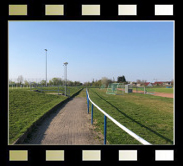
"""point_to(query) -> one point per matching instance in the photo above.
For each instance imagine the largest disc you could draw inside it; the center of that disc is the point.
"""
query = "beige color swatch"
(54, 155)
(90, 9)
(91, 155)
(127, 155)
(127, 9)
(18, 155)
(17, 10)
(54, 9)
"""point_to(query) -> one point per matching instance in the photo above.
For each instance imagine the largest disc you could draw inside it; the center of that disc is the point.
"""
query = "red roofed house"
(158, 83)
(147, 84)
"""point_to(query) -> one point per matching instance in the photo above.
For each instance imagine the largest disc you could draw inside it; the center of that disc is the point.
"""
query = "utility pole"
(65, 64)
(46, 66)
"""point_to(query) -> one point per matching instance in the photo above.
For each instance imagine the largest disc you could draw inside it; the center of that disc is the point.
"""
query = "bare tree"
(172, 82)
(106, 81)
(141, 81)
(10, 81)
(56, 81)
(26, 82)
(138, 81)
(20, 79)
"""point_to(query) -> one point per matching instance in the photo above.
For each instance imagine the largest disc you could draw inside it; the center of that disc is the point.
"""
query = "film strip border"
(90, 10)
(89, 155)
(97, 10)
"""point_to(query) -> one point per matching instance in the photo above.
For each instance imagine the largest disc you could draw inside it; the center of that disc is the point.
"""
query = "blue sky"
(137, 50)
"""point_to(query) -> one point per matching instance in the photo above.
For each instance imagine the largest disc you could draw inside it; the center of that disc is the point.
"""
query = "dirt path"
(70, 125)
(169, 95)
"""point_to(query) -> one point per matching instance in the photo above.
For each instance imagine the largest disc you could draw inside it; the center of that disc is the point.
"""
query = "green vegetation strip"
(163, 90)
(154, 89)
(150, 117)
(26, 107)
(57, 89)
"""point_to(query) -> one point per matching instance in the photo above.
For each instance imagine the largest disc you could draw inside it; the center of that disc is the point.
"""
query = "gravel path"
(70, 125)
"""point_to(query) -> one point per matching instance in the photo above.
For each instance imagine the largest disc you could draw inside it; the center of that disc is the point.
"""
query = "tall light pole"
(46, 66)
(65, 64)
(63, 80)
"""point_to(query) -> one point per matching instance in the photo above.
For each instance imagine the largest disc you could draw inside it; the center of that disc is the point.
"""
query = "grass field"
(163, 90)
(56, 89)
(150, 117)
(25, 107)
(155, 89)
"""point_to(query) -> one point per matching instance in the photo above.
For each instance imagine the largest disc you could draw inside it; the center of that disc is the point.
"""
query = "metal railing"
(138, 138)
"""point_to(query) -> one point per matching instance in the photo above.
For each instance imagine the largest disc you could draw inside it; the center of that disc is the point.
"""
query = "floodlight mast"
(65, 64)
(46, 65)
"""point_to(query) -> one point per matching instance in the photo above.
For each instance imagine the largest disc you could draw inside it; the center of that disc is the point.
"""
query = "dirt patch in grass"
(169, 95)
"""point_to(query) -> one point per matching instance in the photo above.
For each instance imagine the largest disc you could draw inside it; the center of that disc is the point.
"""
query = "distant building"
(167, 83)
(160, 83)
(148, 84)
(139, 84)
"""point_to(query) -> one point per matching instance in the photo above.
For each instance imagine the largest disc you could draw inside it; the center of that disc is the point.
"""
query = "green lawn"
(155, 89)
(25, 107)
(150, 117)
(55, 89)
(163, 90)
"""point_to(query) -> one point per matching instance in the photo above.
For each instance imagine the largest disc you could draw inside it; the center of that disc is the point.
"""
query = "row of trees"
(95, 83)
(106, 81)
(53, 81)
(58, 81)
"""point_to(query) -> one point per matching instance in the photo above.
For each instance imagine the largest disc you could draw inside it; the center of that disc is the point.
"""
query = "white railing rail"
(138, 138)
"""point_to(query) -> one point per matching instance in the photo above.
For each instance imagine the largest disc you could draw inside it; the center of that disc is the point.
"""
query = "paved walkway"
(70, 125)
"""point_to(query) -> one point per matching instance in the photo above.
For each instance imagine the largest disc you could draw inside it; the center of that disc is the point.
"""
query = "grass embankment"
(26, 107)
(58, 89)
(150, 117)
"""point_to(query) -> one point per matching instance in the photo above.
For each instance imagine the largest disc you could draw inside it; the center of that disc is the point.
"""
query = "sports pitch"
(150, 117)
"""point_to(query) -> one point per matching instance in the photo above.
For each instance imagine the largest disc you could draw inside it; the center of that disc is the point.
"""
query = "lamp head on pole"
(45, 49)
(65, 63)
